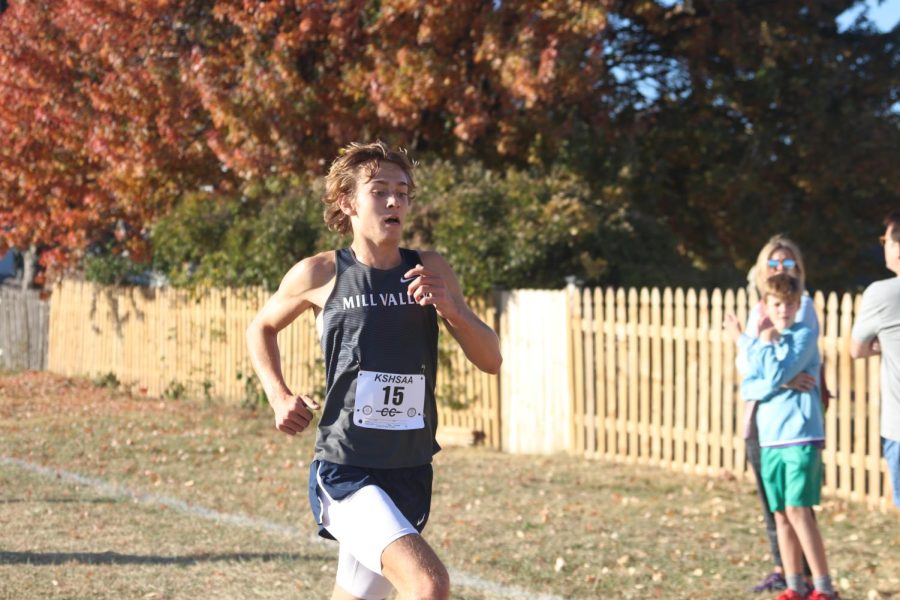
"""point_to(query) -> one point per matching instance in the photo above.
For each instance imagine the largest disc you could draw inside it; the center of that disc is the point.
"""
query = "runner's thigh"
(365, 523)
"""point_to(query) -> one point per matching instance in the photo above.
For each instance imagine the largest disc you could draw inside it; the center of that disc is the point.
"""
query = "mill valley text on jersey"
(364, 300)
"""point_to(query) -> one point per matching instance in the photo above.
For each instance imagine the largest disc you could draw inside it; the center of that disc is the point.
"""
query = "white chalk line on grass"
(115, 490)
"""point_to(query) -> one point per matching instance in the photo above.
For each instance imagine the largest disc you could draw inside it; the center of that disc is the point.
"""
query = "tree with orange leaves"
(697, 114)
(116, 108)
(102, 135)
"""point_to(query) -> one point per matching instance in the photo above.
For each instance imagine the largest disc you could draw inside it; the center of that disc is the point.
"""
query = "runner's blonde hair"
(358, 163)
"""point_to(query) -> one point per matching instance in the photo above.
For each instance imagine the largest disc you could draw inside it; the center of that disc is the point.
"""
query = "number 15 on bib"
(389, 401)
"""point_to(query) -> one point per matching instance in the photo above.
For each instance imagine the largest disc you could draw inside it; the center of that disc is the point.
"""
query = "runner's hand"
(428, 289)
(293, 414)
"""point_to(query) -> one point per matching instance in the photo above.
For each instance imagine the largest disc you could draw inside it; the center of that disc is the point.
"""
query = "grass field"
(106, 495)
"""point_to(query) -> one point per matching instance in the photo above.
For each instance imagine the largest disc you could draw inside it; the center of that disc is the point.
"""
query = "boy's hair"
(761, 269)
(893, 220)
(356, 163)
(784, 287)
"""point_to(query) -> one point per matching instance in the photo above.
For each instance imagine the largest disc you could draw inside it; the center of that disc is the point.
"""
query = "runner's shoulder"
(311, 273)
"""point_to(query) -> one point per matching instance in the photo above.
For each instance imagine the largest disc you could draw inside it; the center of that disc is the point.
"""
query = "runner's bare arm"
(436, 284)
(306, 285)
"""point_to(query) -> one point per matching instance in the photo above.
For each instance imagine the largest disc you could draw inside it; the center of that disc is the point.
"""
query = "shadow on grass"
(114, 558)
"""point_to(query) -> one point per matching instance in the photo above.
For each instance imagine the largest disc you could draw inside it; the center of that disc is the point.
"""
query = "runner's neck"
(376, 256)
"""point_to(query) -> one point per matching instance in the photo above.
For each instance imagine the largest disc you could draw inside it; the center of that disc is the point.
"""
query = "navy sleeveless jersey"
(370, 323)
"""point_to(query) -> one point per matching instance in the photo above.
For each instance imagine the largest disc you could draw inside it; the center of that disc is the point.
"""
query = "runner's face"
(380, 206)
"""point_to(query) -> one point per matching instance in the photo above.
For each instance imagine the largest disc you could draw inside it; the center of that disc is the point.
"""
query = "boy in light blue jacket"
(791, 434)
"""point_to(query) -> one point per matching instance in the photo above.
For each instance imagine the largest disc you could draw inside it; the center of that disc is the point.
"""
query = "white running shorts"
(364, 523)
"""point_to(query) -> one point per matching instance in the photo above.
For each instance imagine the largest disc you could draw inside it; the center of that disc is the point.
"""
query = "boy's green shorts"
(792, 476)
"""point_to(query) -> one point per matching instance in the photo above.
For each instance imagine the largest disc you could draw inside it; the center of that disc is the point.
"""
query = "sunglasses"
(787, 263)
(882, 239)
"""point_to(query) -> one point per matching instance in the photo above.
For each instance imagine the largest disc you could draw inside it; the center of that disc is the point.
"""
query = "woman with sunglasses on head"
(779, 255)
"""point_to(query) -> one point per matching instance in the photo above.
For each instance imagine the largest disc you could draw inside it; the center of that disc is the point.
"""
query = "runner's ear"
(347, 204)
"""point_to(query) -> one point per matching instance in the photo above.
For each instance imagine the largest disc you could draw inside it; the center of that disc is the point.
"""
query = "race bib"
(389, 401)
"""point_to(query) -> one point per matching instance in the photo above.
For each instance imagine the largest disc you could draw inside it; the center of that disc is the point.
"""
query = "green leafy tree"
(519, 229)
(251, 239)
(766, 119)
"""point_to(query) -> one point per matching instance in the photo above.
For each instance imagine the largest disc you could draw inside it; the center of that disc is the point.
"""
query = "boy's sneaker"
(791, 595)
(817, 595)
(774, 582)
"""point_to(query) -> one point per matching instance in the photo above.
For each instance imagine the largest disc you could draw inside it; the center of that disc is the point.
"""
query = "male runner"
(376, 306)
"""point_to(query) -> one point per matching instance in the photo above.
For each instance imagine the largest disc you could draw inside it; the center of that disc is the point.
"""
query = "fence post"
(600, 335)
(680, 377)
(703, 384)
(633, 419)
(715, 438)
(843, 456)
(690, 336)
(656, 377)
(832, 362)
(590, 400)
(645, 380)
(668, 396)
(730, 418)
(575, 362)
(610, 409)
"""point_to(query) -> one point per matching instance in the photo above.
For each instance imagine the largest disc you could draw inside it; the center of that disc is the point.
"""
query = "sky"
(884, 14)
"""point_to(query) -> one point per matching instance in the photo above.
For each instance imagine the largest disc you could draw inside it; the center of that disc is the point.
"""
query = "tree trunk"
(29, 266)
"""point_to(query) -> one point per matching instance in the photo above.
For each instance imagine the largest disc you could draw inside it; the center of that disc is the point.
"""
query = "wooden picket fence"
(174, 343)
(641, 376)
(24, 318)
(654, 382)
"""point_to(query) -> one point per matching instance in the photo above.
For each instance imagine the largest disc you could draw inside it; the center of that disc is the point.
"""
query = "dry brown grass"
(555, 525)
